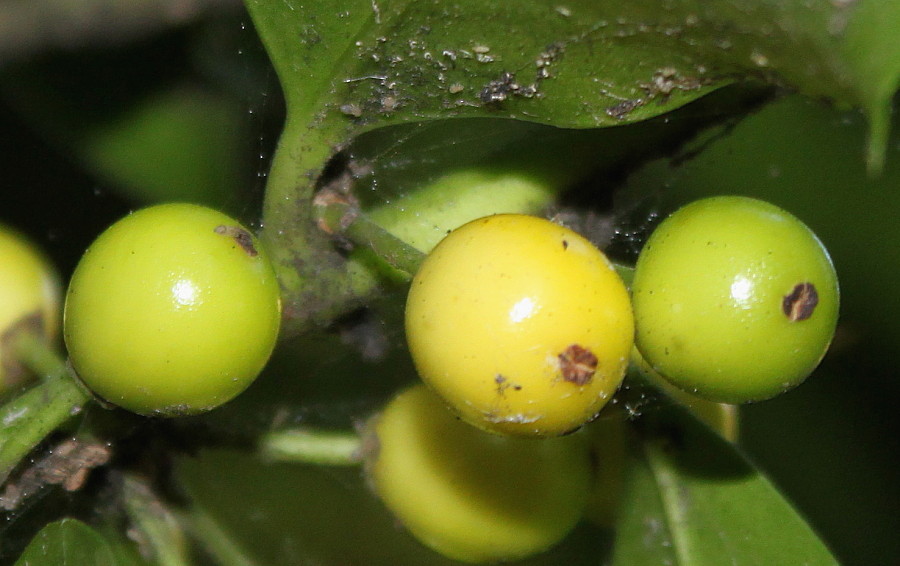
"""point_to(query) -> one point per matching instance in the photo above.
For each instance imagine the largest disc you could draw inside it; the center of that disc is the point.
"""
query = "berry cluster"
(525, 329)
(522, 327)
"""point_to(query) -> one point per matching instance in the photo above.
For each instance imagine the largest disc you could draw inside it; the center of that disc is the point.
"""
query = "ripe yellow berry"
(522, 325)
(470, 495)
(29, 288)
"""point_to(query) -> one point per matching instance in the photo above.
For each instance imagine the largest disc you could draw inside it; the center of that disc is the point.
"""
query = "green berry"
(735, 299)
(522, 325)
(173, 310)
(470, 495)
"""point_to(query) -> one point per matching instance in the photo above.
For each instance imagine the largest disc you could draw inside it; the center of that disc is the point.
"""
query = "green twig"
(309, 446)
(29, 418)
(214, 539)
(33, 352)
(338, 217)
(159, 529)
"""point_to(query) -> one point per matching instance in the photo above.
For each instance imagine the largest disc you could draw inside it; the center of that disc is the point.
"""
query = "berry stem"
(27, 419)
(341, 218)
(213, 538)
(37, 355)
(160, 528)
(309, 446)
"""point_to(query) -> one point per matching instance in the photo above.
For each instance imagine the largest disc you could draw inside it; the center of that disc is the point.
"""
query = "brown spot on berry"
(565, 244)
(239, 235)
(578, 364)
(800, 303)
(503, 384)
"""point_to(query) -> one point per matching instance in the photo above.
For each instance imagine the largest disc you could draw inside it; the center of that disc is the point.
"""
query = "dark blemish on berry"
(503, 384)
(565, 244)
(800, 303)
(578, 364)
(239, 235)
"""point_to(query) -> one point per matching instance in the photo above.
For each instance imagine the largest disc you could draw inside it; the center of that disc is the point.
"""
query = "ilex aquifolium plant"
(471, 495)
(735, 299)
(173, 310)
(521, 325)
(29, 299)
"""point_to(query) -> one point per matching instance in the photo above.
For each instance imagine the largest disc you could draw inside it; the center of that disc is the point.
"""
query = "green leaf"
(181, 144)
(574, 63)
(349, 66)
(155, 141)
(693, 500)
(873, 56)
(70, 542)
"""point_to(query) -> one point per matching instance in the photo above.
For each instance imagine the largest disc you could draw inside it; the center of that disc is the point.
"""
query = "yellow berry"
(470, 495)
(521, 325)
(29, 288)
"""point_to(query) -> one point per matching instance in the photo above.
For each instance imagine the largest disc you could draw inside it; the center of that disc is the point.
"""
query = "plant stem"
(309, 446)
(214, 539)
(160, 528)
(29, 418)
(339, 217)
(37, 355)
(344, 219)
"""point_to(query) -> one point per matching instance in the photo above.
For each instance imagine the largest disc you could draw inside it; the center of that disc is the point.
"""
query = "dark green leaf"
(580, 63)
(72, 543)
(181, 144)
(693, 500)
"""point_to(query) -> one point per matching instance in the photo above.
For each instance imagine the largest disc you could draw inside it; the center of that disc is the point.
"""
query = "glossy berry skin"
(471, 495)
(173, 310)
(29, 298)
(723, 418)
(735, 299)
(520, 324)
